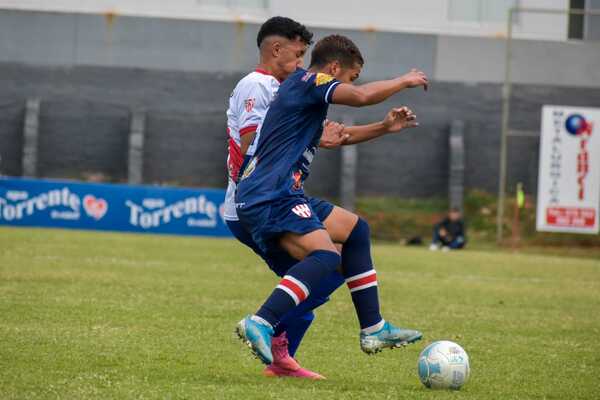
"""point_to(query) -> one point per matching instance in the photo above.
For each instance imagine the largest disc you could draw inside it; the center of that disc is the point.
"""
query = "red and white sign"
(569, 172)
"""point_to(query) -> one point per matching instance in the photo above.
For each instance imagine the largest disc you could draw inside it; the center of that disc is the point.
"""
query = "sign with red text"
(569, 172)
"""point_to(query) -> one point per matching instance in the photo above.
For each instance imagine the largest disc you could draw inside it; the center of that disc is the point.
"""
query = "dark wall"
(78, 137)
(185, 149)
(12, 115)
(85, 116)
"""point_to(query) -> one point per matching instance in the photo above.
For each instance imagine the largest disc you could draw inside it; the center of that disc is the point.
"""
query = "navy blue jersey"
(289, 138)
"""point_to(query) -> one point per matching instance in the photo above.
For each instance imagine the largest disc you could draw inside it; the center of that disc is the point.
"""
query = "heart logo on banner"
(95, 208)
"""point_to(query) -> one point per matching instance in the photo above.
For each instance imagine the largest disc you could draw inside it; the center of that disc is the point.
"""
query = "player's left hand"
(400, 118)
(333, 135)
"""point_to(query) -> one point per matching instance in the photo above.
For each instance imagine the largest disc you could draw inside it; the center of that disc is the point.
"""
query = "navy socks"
(296, 285)
(361, 277)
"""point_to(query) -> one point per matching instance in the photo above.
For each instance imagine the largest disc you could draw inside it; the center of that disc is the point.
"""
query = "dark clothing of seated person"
(449, 233)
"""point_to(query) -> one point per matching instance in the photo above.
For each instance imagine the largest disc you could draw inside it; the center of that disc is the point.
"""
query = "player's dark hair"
(335, 48)
(285, 27)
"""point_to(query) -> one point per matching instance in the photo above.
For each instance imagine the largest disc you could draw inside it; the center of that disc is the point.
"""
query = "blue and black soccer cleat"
(388, 337)
(257, 337)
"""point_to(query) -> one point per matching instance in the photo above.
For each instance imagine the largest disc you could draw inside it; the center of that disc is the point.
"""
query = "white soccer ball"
(443, 365)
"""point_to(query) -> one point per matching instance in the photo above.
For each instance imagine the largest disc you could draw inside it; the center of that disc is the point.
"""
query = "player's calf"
(361, 279)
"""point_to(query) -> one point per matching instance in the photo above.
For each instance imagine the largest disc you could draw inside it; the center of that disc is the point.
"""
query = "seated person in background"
(449, 233)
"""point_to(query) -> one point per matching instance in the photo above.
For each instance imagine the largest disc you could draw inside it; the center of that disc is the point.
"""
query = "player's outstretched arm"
(396, 120)
(376, 92)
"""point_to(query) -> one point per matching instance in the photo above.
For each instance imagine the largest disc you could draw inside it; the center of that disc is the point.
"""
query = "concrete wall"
(85, 114)
(90, 73)
(186, 45)
(532, 62)
(12, 114)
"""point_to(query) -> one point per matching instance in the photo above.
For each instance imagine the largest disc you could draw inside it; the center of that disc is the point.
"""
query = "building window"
(480, 10)
(576, 21)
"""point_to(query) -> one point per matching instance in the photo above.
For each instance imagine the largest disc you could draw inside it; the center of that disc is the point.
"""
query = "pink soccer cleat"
(281, 357)
(283, 364)
(277, 372)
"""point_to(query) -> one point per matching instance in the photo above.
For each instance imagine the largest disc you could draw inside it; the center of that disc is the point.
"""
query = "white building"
(485, 18)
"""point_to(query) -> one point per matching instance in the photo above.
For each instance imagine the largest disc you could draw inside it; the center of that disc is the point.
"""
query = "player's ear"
(335, 68)
(276, 49)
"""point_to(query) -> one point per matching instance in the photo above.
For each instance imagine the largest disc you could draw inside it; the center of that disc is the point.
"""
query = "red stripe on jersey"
(362, 281)
(294, 288)
(235, 160)
(248, 129)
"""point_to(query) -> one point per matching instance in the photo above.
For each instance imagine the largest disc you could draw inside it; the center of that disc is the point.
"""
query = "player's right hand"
(333, 135)
(400, 118)
(415, 78)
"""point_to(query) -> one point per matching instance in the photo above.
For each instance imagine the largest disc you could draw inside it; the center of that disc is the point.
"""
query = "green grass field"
(102, 315)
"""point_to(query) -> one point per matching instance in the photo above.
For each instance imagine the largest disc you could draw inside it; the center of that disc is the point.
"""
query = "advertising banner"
(569, 171)
(113, 207)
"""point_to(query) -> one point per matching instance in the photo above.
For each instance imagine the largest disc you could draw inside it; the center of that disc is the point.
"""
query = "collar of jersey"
(262, 71)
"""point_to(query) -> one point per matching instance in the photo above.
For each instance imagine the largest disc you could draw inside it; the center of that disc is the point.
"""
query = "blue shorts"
(297, 214)
(278, 259)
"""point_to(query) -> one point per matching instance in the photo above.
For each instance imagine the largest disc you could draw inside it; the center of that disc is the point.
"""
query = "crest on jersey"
(249, 104)
(302, 210)
(322, 79)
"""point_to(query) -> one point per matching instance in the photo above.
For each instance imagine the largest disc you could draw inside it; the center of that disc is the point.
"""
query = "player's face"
(348, 74)
(290, 57)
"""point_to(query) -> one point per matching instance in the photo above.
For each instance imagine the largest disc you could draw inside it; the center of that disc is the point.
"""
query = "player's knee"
(361, 231)
(327, 258)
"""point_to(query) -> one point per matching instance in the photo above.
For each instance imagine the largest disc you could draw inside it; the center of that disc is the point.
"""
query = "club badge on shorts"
(302, 210)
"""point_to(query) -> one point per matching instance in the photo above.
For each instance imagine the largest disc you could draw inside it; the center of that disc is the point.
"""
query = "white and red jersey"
(248, 105)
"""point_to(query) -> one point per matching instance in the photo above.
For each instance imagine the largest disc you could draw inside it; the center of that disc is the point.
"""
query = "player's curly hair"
(285, 27)
(335, 48)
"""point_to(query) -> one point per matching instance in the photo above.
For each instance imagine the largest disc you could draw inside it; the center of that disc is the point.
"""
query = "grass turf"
(103, 315)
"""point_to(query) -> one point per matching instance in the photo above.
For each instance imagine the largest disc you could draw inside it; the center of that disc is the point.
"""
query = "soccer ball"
(443, 365)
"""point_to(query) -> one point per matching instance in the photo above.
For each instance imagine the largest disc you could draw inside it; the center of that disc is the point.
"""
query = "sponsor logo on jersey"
(297, 180)
(302, 210)
(249, 168)
(306, 76)
(322, 79)
(249, 104)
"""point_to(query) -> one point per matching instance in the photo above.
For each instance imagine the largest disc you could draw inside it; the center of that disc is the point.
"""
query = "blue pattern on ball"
(435, 368)
(423, 369)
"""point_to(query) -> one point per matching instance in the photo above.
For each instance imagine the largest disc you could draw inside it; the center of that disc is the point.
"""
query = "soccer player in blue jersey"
(271, 204)
(282, 43)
